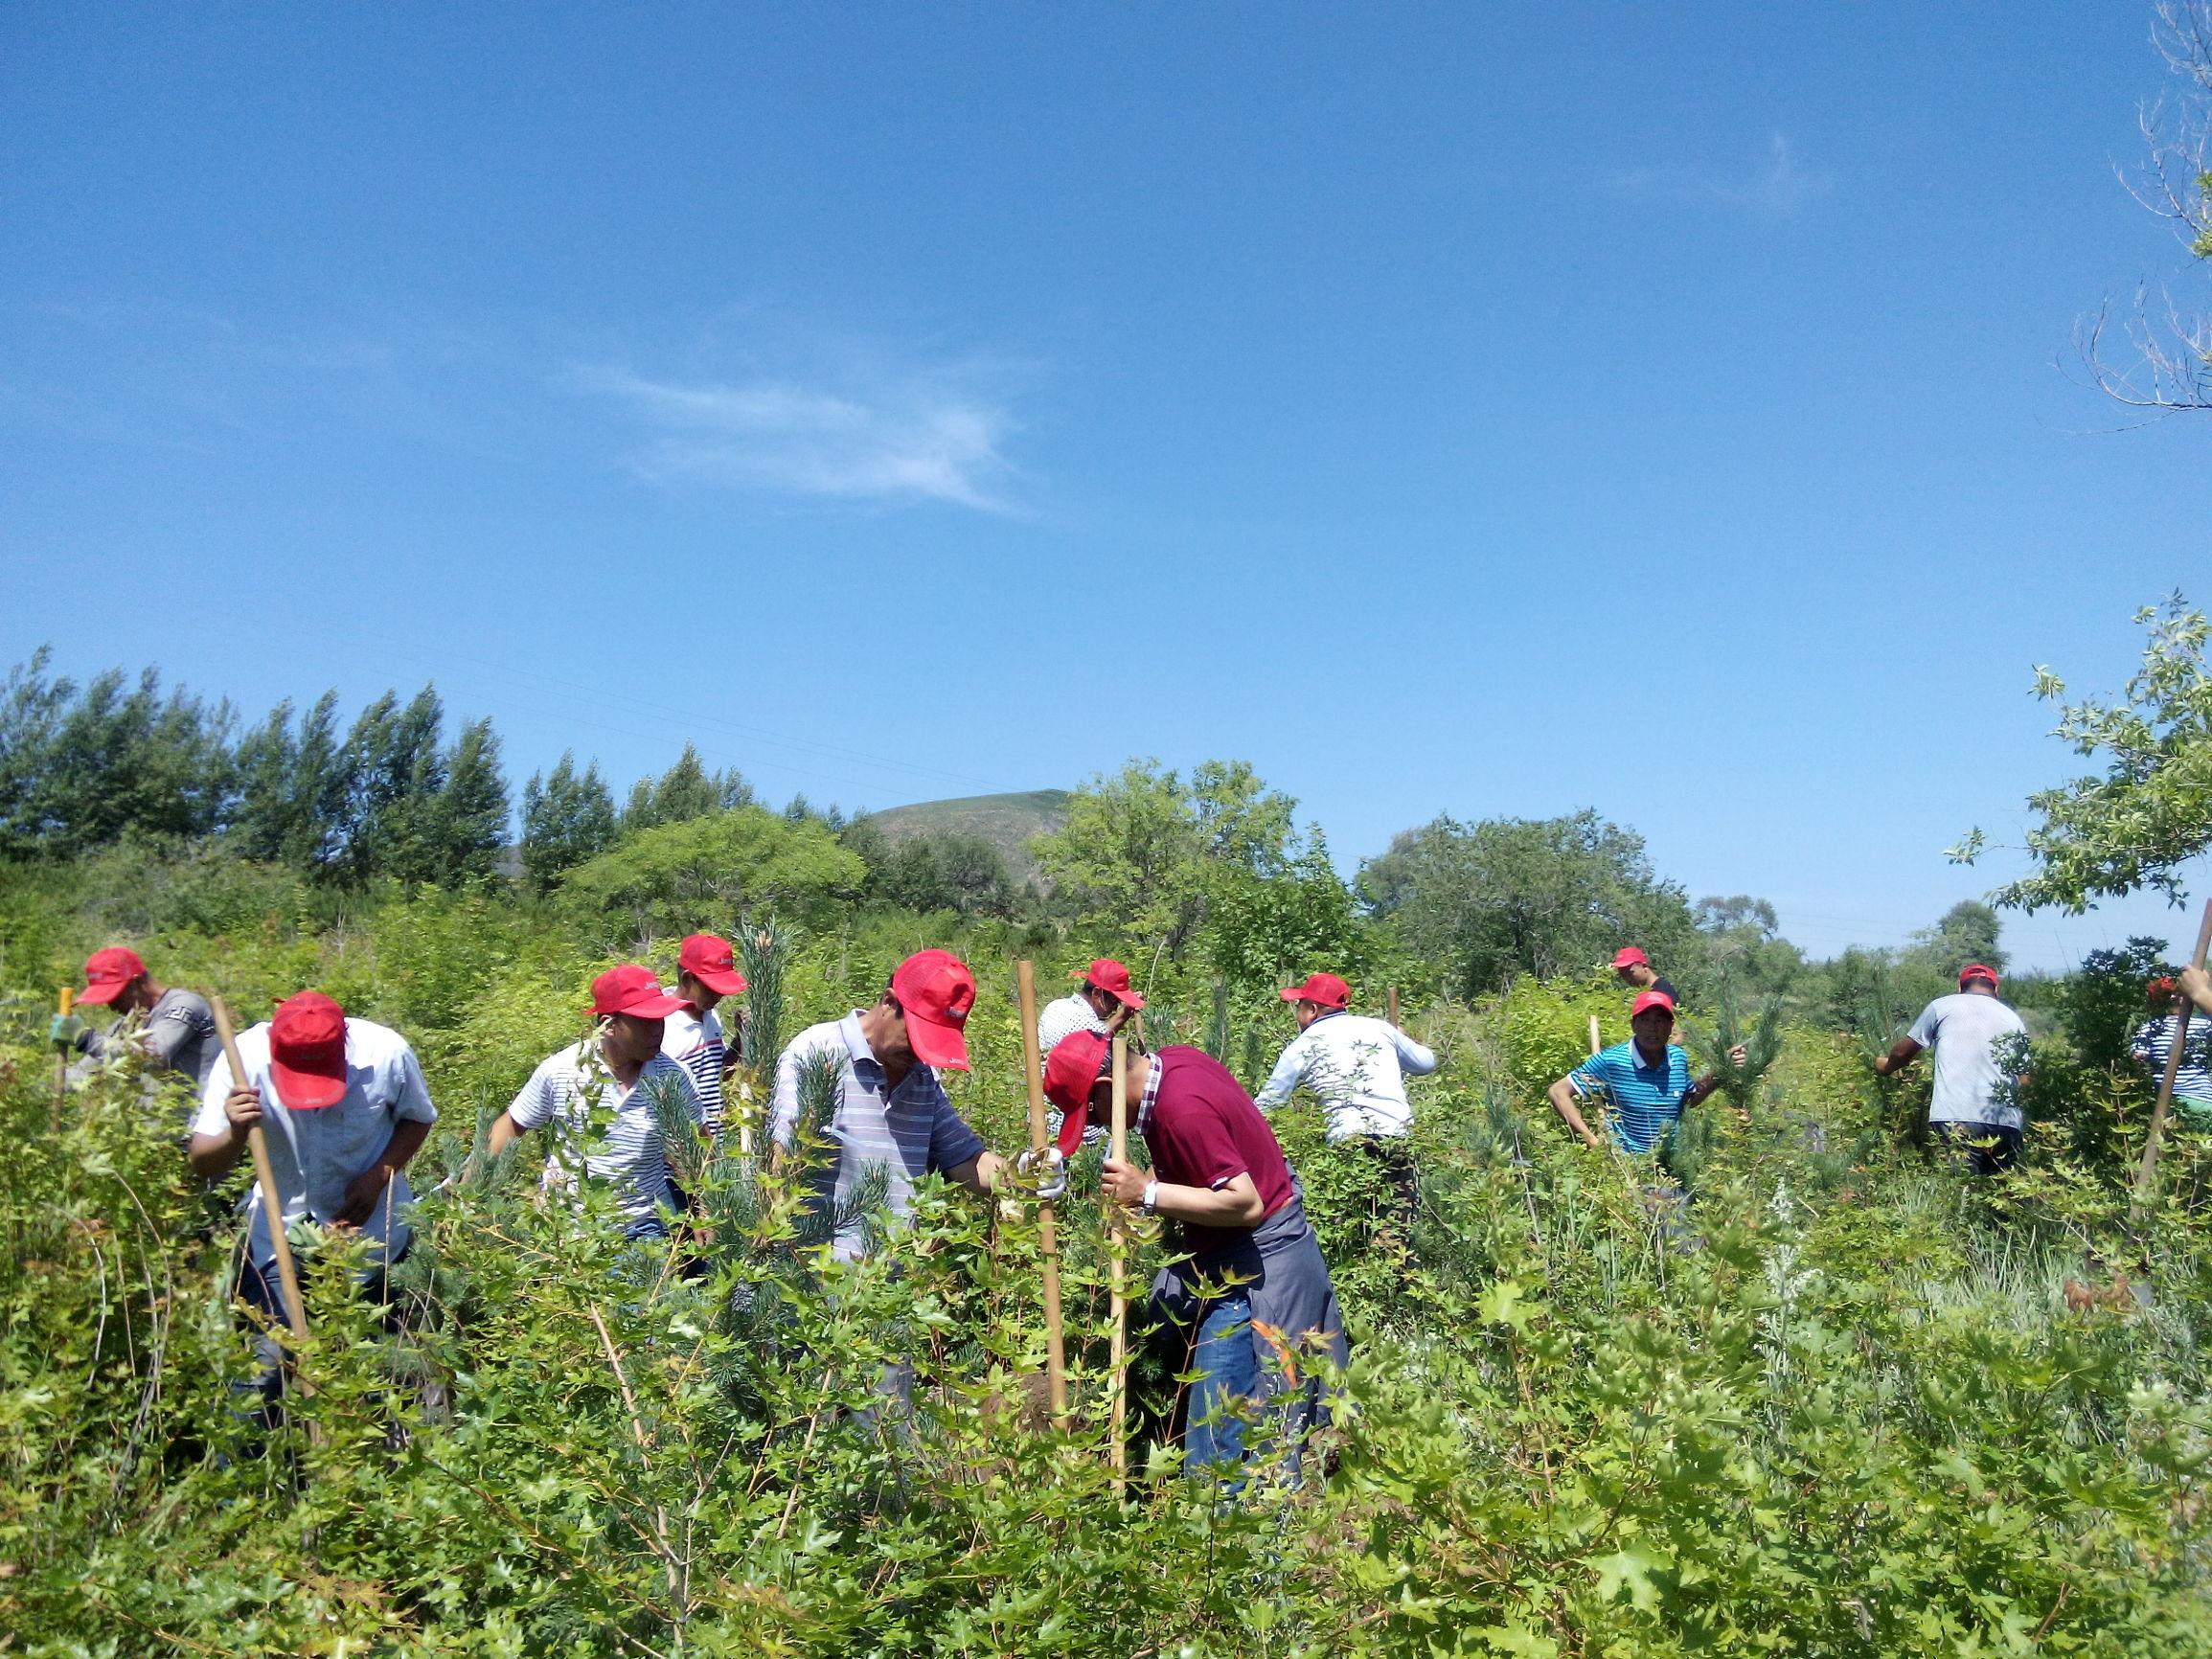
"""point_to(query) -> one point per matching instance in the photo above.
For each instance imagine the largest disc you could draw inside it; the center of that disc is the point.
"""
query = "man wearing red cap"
(1255, 1284)
(1970, 1030)
(692, 1036)
(619, 1069)
(1635, 969)
(1646, 1082)
(178, 1028)
(1357, 1067)
(893, 1113)
(1101, 1004)
(343, 1108)
(2152, 1046)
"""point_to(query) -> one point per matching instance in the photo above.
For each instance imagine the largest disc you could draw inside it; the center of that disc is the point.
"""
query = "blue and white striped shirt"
(2153, 1046)
(693, 1041)
(568, 1086)
(1647, 1101)
(909, 1132)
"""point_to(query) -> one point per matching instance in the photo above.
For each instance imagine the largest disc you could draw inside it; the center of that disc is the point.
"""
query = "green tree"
(293, 788)
(567, 818)
(1143, 850)
(1491, 901)
(1968, 932)
(2151, 809)
(470, 827)
(685, 791)
(81, 767)
(937, 870)
(672, 877)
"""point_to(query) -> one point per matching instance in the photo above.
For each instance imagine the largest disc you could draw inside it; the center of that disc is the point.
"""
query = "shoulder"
(662, 1069)
(561, 1066)
(368, 1041)
(828, 1037)
(184, 1005)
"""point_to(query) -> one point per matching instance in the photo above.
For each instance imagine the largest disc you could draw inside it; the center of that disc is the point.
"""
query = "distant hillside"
(1006, 821)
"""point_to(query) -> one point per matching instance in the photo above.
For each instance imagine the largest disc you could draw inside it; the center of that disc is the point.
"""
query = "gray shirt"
(1964, 1030)
(179, 1034)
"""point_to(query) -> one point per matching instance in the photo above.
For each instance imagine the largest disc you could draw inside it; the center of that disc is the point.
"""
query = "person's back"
(1965, 1029)
(1356, 1066)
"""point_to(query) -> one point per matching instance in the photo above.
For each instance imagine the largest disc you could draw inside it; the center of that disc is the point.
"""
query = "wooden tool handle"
(2165, 1103)
(1597, 1044)
(1393, 1002)
(1032, 1069)
(265, 1176)
(1055, 1341)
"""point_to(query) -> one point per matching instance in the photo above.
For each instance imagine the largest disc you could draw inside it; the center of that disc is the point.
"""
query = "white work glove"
(1042, 1173)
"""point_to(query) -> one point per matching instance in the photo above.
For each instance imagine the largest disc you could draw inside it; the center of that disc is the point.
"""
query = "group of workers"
(346, 1108)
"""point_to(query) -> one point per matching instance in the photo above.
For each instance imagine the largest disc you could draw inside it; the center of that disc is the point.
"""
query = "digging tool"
(2150, 1165)
(1597, 1043)
(1393, 1006)
(1120, 1350)
(1056, 1345)
(265, 1176)
(61, 1055)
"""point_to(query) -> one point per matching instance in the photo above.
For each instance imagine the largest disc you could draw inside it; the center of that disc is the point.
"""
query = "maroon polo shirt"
(1204, 1131)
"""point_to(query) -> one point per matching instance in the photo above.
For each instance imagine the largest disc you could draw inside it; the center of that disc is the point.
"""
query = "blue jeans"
(1229, 1375)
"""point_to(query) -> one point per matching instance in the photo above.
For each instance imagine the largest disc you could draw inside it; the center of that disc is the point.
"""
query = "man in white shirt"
(692, 1036)
(343, 1108)
(620, 1070)
(1357, 1067)
(1101, 1004)
(1970, 1031)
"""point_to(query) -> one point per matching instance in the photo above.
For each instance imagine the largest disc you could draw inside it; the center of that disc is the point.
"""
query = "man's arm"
(212, 1151)
(2196, 986)
(1902, 1054)
(364, 1190)
(981, 1173)
(1235, 1203)
(1561, 1095)
(1415, 1059)
(1290, 1070)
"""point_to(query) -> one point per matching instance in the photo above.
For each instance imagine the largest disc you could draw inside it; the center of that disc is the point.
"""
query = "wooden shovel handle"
(265, 1176)
(1055, 1339)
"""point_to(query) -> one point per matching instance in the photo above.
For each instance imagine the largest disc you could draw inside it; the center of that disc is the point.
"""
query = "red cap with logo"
(2161, 989)
(1078, 1060)
(1111, 977)
(935, 992)
(1629, 956)
(110, 971)
(308, 1052)
(107, 971)
(1977, 970)
(1650, 999)
(709, 960)
(633, 991)
(1325, 989)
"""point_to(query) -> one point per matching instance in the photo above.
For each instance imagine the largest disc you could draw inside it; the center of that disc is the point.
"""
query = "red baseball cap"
(1976, 971)
(107, 971)
(1077, 1060)
(1629, 956)
(308, 1052)
(1325, 989)
(1111, 976)
(2161, 989)
(632, 989)
(1652, 999)
(935, 992)
(709, 959)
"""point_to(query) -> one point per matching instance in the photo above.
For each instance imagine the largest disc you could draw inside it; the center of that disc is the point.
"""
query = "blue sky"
(1469, 409)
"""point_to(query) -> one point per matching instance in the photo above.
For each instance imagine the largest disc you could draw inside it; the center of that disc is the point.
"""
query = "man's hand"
(1041, 1174)
(1738, 1054)
(2196, 986)
(1124, 1183)
(242, 1107)
(362, 1194)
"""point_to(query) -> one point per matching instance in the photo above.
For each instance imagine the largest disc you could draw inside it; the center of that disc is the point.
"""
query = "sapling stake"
(1595, 1044)
(1394, 1005)
(2165, 1103)
(265, 1176)
(1120, 1351)
(1055, 1343)
(61, 1058)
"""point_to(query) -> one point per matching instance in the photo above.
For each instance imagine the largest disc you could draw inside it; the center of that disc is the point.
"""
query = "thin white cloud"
(1778, 184)
(927, 439)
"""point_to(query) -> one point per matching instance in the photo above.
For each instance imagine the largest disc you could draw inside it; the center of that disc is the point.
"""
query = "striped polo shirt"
(2153, 1046)
(1646, 1100)
(693, 1041)
(908, 1133)
(569, 1088)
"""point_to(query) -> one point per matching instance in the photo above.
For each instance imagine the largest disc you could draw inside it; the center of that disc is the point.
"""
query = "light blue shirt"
(1647, 1099)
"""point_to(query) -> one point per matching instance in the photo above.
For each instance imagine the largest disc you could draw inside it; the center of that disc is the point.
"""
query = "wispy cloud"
(1779, 183)
(924, 437)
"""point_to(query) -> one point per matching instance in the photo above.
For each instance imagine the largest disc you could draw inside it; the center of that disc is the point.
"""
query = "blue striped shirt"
(693, 1041)
(1646, 1100)
(908, 1133)
(2153, 1046)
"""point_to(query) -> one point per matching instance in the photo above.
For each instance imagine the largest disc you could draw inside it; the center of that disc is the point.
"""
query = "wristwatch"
(1151, 1205)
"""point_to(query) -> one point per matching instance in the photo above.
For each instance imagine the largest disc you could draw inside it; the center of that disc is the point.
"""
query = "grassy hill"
(1008, 822)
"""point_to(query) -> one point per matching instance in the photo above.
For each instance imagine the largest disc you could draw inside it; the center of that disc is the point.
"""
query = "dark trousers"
(1397, 1199)
(1981, 1149)
(261, 1290)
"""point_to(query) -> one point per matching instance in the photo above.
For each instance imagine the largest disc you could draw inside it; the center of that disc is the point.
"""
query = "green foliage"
(1509, 896)
(660, 880)
(567, 819)
(1715, 1045)
(1967, 933)
(687, 790)
(941, 870)
(2150, 811)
